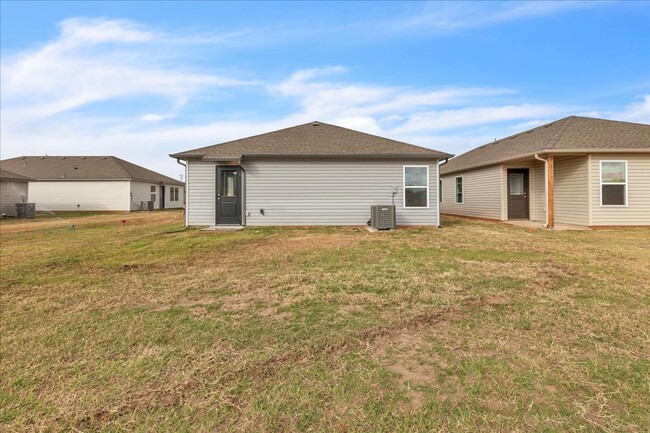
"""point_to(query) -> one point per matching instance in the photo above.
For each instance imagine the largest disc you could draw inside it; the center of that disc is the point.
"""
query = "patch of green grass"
(137, 322)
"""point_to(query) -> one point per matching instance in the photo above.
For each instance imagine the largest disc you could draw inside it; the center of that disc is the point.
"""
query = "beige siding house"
(94, 183)
(13, 189)
(310, 175)
(575, 171)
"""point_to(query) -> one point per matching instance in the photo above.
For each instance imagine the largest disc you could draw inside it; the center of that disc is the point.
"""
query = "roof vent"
(104, 157)
(315, 124)
(83, 157)
(63, 157)
(42, 157)
(76, 168)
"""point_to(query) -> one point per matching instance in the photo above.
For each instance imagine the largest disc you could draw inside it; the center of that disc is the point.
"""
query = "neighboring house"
(94, 183)
(13, 189)
(310, 175)
(575, 171)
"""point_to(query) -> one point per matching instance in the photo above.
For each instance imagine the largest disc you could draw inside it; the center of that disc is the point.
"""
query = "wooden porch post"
(550, 179)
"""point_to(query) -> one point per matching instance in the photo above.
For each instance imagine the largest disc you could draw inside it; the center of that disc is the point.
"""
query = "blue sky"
(141, 80)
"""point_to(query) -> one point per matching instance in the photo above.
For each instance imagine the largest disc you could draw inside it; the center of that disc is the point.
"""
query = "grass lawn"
(144, 325)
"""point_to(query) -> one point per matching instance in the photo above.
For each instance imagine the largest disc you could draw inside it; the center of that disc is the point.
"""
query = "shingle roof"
(82, 168)
(7, 175)
(315, 139)
(569, 134)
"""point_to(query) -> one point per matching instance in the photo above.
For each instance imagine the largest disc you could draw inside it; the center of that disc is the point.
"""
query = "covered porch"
(546, 191)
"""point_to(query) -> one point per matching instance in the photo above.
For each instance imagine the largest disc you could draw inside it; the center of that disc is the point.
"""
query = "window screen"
(613, 183)
(416, 186)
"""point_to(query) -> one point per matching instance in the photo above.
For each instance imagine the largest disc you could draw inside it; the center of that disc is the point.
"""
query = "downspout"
(440, 164)
(185, 194)
(243, 194)
(537, 157)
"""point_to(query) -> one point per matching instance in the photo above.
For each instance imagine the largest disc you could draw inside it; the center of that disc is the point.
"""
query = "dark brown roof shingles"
(83, 168)
(571, 133)
(7, 175)
(313, 139)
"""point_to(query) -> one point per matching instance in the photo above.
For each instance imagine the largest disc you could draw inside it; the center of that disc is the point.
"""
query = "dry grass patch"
(144, 325)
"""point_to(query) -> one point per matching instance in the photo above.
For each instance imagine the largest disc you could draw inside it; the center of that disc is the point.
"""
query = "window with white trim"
(459, 189)
(416, 186)
(152, 196)
(440, 190)
(613, 183)
(173, 193)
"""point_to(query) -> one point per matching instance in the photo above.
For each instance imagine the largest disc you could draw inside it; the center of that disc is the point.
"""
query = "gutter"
(546, 152)
(237, 160)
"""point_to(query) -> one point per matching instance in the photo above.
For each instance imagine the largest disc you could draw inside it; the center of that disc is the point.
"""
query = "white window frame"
(404, 187)
(440, 190)
(462, 189)
(153, 193)
(173, 193)
(601, 183)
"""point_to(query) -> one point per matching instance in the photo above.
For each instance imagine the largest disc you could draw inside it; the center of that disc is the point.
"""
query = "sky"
(141, 80)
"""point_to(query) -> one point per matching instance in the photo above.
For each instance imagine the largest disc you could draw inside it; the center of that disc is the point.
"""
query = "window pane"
(516, 183)
(440, 191)
(415, 176)
(459, 190)
(415, 197)
(613, 172)
(153, 188)
(228, 183)
(613, 195)
(152, 197)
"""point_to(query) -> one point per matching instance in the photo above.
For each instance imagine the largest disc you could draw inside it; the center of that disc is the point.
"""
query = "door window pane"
(228, 185)
(415, 197)
(516, 183)
(415, 176)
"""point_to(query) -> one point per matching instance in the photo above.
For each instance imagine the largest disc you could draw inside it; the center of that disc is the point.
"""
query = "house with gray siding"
(13, 189)
(94, 183)
(574, 171)
(314, 174)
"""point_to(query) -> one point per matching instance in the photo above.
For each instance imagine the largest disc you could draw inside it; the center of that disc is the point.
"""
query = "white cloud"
(440, 18)
(72, 71)
(50, 97)
(76, 31)
(638, 111)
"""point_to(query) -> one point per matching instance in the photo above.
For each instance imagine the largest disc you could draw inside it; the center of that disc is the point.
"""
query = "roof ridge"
(118, 161)
(555, 139)
(245, 138)
(379, 136)
(314, 123)
(125, 165)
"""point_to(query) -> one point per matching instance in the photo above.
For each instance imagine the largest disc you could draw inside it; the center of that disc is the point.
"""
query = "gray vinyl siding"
(11, 193)
(329, 192)
(637, 211)
(571, 198)
(481, 193)
(200, 185)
